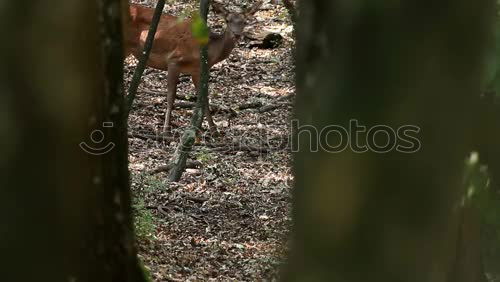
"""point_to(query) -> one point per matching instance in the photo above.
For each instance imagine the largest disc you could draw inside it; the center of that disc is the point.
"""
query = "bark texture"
(65, 212)
(178, 161)
(384, 216)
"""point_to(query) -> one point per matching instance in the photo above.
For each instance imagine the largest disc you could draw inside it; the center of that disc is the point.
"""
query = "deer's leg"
(172, 80)
(211, 123)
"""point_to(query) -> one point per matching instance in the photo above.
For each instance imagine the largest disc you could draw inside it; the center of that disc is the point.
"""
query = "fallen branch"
(271, 107)
(185, 105)
(218, 147)
(250, 105)
(151, 137)
(242, 148)
(188, 104)
(213, 108)
(168, 167)
(235, 146)
(200, 200)
(257, 106)
(177, 96)
(286, 97)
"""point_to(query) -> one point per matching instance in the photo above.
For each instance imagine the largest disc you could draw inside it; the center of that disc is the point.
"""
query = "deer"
(176, 51)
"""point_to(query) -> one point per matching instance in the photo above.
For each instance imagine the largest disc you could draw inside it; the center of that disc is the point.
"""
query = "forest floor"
(229, 217)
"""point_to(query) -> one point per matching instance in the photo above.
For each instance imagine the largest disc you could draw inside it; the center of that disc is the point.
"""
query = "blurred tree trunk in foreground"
(387, 216)
(65, 212)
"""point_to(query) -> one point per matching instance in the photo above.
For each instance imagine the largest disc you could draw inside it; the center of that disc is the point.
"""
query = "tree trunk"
(141, 66)
(468, 265)
(181, 154)
(392, 213)
(66, 208)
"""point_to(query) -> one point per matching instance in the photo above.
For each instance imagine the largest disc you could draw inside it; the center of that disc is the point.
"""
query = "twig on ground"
(168, 167)
(151, 137)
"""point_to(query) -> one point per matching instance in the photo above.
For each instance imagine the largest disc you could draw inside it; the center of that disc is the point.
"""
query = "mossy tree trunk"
(66, 212)
(181, 154)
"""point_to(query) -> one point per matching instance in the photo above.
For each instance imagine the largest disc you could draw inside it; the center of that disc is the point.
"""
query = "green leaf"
(200, 30)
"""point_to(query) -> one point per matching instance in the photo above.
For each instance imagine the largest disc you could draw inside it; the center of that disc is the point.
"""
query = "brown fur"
(175, 49)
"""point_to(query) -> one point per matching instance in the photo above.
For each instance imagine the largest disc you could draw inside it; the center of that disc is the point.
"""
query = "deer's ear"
(219, 8)
(255, 7)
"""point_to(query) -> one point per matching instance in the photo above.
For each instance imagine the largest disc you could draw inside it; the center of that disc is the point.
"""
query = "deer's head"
(236, 22)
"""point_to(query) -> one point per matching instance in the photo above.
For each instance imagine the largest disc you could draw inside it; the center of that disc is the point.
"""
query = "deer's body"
(176, 50)
(181, 49)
